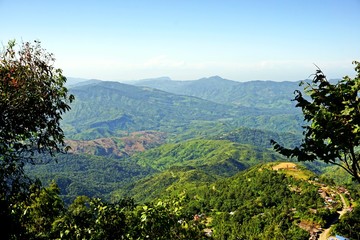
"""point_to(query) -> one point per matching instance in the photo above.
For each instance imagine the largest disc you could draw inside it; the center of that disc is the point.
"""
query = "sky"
(190, 39)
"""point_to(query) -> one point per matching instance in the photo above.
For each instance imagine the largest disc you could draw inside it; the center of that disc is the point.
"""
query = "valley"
(202, 144)
(179, 120)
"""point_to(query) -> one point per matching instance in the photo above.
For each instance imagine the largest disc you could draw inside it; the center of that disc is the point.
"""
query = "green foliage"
(88, 175)
(191, 163)
(32, 99)
(277, 122)
(209, 154)
(165, 219)
(259, 138)
(349, 224)
(336, 175)
(171, 182)
(258, 204)
(333, 115)
(38, 212)
(91, 218)
(43, 216)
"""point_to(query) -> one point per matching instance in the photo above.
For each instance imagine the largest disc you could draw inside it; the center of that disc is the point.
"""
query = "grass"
(291, 169)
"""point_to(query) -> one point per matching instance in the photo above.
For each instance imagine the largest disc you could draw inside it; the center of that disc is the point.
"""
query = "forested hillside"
(191, 163)
(96, 176)
(200, 139)
(260, 204)
(202, 153)
(88, 175)
(260, 138)
(179, 120)
(203, 149)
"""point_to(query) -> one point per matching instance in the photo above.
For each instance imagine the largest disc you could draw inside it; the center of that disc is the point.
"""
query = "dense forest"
(263, 202)
(195, 165)
(164, 159)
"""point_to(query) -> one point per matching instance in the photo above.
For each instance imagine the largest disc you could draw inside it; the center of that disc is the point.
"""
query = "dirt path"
(326, 233)
(345, 207)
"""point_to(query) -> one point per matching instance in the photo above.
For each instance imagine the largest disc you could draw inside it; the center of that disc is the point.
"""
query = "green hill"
(260, 138)
(168, 182)
(88, 175)
(202, 153)
(260, 203)
(192, 163)
(255, 94)
(266, 201)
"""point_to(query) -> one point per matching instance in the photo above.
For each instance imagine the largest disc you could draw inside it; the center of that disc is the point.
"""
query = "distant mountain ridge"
(257, 94)
(254, 94)
(103, 109)
(108, 109)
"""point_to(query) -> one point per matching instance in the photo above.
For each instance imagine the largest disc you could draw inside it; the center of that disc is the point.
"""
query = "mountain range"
(104, 109)
(254, 94)
(212, 127)
(203, 143)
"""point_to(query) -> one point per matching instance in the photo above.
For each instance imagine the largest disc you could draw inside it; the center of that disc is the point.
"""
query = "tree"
(332, 114)
(349, 224)
(38, 212)
(32, 99)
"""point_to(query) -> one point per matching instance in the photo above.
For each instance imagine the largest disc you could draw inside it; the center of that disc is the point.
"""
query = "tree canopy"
(332, 114)
(33, 97)
(32, 100)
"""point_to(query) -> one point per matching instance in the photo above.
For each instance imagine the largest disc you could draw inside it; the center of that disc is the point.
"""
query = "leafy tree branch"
(332, 114)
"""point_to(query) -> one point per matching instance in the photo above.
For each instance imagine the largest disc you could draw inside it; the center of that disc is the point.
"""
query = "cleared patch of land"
(292, 169)
(285, 166)
(118, 146)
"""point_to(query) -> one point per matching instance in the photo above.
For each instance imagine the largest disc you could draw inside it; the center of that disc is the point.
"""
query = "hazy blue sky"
(190, 39)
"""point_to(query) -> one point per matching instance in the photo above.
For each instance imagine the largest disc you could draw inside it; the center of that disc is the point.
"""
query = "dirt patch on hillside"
(285, 165)
(118, 146)
(310, 227)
